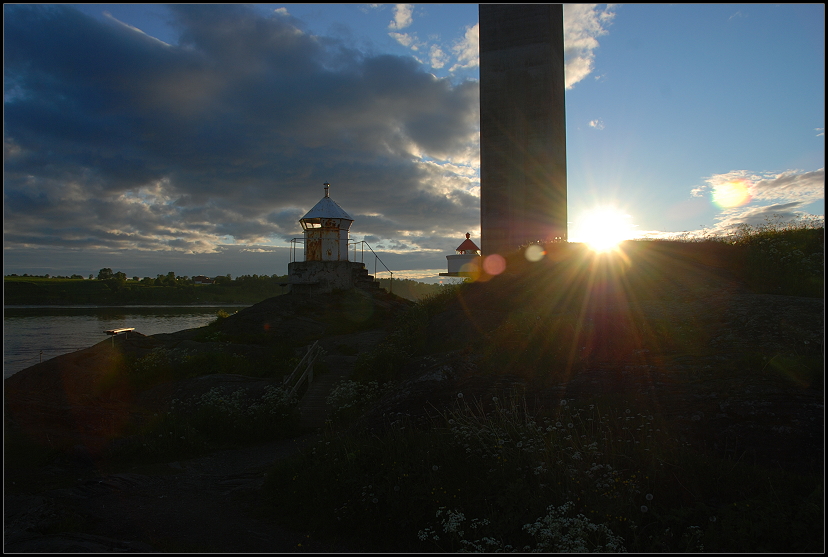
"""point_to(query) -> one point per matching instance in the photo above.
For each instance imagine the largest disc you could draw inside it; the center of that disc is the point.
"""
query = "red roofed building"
(466, 261)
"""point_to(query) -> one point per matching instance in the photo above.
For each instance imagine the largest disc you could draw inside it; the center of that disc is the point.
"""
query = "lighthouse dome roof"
(327, 208)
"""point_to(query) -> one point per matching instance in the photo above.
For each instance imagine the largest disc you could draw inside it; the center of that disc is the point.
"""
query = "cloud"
(130, 27)
(583, 24)
(402, 16)
(467, 49)
(437, 57)
(408, 41)
(756, 196)
(597, 124)
(115, 141)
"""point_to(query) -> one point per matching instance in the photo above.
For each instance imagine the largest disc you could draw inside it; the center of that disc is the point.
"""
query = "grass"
(777, 257)
(494, 476)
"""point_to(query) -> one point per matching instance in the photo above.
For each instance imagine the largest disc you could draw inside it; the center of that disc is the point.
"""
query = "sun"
(603, 228)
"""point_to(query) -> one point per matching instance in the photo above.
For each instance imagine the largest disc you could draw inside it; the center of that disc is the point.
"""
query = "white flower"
(643, 508)
(459, 395)
(649, 497)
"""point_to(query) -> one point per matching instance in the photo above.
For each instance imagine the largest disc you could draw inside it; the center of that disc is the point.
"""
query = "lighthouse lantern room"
(326, 230)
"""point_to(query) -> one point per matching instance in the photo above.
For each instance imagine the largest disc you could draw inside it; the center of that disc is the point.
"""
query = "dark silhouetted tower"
(522, 125)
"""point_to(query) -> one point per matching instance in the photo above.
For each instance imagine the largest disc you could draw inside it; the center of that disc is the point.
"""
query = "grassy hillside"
(644, 402)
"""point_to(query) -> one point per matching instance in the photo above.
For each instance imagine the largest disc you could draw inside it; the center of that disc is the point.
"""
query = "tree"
(104, 274)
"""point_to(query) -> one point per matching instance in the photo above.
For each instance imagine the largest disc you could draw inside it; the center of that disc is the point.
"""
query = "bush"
(348, 399)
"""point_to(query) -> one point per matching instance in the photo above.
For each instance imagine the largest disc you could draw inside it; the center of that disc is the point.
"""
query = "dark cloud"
(115, 140)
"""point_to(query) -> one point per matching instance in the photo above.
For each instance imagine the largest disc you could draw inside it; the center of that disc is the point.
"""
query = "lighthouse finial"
(327, 185)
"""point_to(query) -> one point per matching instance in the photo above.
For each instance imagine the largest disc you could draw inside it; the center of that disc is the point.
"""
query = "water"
(28, 330)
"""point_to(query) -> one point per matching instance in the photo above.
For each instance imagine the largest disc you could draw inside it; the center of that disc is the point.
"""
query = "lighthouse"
(326, 240)
(466, 261)
(326, 229)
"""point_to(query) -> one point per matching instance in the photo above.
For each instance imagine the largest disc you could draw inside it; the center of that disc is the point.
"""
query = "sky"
(192, 138)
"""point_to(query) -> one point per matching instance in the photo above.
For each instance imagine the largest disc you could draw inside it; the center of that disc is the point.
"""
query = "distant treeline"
(114, 288)
(411, 289)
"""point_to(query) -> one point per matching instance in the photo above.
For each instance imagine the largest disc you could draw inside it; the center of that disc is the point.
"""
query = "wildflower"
(643, 508)
(494, 399)
(459, 395)
(563, 402)
(570, 425)
(649, 497)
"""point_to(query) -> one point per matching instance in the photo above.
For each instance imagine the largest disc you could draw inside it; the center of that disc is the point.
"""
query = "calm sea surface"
(30, 330)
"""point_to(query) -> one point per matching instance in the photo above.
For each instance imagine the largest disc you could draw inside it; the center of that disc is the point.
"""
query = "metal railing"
(306, 365)
(351, 244)
(376, 259)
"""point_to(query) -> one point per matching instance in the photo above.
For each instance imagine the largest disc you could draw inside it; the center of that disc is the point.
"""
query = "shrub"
(349, 399)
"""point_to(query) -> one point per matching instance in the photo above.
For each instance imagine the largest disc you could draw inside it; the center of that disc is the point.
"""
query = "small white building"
(466, 261)
(326, 266)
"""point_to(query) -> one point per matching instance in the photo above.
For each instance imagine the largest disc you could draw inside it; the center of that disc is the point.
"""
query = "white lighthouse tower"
(466, 261)
(326, 266)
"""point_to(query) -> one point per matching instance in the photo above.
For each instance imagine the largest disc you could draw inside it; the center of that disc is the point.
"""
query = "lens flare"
(494, 264)
(534, 253)
(732, 194)
(603, 228)
(472, 270)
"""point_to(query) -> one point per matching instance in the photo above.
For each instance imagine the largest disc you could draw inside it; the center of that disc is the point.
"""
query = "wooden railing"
(304, 369)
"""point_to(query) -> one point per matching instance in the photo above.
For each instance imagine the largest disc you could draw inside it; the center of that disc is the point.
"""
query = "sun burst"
(603, 228)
